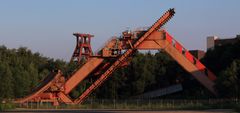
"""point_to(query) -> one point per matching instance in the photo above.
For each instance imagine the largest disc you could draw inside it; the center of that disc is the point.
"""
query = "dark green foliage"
(228, 83)
(7, 106)
(6, 81)
(21, 70)
(221, 57)
(145, 72)
(224, 61)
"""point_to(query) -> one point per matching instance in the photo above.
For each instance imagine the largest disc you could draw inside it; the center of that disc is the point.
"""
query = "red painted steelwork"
(83, 49)
(111, 57)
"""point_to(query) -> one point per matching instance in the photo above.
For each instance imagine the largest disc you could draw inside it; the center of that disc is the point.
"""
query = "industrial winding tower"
(83, 49)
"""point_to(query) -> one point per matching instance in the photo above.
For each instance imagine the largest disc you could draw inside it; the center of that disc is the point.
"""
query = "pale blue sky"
(46, 26)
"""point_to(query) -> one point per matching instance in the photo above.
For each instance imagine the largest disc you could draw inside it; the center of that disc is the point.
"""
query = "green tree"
(21, 70)
(221, 57)
(6, 82)
(228, 83)
(33, 73)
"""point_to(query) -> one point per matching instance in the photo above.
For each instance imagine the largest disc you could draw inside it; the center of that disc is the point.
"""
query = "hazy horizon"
(46, 26)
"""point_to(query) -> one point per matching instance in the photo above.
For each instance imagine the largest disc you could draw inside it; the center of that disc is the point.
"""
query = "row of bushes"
(7, 106)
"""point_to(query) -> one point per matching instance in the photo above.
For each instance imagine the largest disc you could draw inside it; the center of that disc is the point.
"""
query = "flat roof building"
(213, 41)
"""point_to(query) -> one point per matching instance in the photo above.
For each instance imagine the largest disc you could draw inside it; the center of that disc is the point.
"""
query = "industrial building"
(213, 41)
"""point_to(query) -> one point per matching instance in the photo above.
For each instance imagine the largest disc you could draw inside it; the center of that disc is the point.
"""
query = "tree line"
(21, 70)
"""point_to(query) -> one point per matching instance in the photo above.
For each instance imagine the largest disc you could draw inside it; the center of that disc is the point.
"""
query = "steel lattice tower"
(83, 48)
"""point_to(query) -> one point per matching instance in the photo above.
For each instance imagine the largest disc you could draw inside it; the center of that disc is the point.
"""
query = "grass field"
(155, 105)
